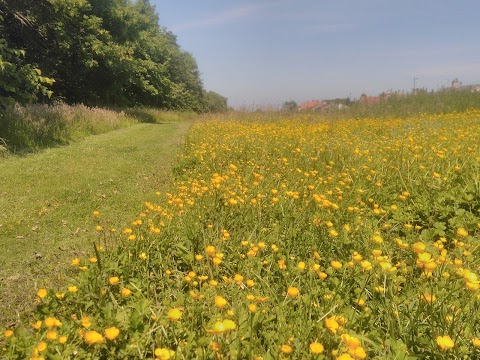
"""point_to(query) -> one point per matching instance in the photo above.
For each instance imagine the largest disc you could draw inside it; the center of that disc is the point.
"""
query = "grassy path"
(47, 200)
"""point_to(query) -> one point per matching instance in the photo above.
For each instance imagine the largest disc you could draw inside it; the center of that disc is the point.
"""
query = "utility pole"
(414, 85)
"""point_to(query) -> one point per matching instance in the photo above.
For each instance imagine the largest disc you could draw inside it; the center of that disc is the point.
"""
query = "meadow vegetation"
(46, 199)
(285, 237)
(403, 105)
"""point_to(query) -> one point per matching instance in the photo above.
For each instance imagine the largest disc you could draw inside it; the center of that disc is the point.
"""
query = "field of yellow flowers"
(286, 238)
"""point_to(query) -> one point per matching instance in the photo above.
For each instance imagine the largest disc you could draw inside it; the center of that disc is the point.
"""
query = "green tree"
(19, 81)
(104, 52)
(214, 102)
(289, 105)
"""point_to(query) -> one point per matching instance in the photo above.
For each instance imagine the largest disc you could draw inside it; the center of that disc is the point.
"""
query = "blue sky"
(270, 51)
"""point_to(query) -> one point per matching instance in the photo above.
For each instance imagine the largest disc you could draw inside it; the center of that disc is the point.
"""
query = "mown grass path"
(47, 200)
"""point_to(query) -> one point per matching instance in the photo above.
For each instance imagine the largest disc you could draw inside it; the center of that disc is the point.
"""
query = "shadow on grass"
(143, 115)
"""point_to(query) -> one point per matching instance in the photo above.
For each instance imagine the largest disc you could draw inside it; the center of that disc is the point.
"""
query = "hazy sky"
(271, 51)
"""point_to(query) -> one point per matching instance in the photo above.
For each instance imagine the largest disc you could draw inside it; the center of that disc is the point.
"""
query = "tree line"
(96, 52)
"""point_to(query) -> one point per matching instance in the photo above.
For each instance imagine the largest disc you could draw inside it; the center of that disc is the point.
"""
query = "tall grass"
(156, 116)
(403, 106)
(28, 128)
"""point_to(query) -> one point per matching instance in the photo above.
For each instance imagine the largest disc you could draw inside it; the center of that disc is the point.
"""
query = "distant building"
(313, 105)
(369, 100)
(457, 85)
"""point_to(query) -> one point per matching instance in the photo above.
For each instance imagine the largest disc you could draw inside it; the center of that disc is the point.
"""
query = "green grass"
(33, 127)
(47, 200)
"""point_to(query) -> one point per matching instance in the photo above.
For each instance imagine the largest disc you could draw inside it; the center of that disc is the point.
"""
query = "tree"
(19, 81)
(104, 52)
(289, 105)
(214, 102)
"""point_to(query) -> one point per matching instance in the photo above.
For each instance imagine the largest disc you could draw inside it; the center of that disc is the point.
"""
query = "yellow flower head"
(461, 232)
(93, 337)
(332, 324)
(476, 342)
(164, 354)
(113, 280)
(316, 348)
(351, 341)
(41, 346)
(220, 302)
(86, 323)
(222, 326)
(292, 292)
(50, 322)
(336, 265)
(111, 333)
(174, 314)
(42, 293)
(429, 298)
(344, 357)
(419, 247)
(286, 349)
(445, 342)
(125, 292)
(52, 335)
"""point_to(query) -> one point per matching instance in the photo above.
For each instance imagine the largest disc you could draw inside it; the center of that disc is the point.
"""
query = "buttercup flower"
(316, 348)
(111, 333)
(445, 342)
(93, 337)
(174, 314)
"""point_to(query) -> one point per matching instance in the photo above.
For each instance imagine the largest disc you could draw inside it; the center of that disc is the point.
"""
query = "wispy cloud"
(329, 28)
(220, 18)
